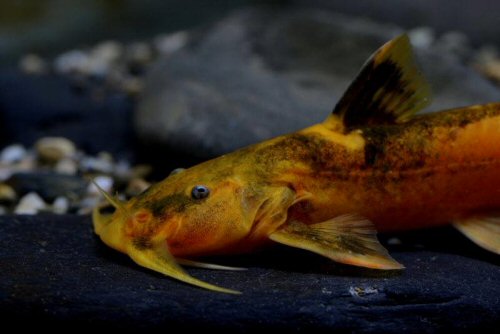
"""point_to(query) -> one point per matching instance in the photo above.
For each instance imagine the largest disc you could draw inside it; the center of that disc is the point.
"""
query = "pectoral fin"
(349, 239)
(159, 259)
(484, 231)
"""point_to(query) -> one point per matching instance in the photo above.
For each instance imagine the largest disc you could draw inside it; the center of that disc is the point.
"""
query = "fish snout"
(110, 228)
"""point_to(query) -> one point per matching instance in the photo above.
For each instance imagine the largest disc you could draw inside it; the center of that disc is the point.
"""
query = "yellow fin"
(388, 89)
(484, 231)
(159, 259)
(349, 239)
(191, 263)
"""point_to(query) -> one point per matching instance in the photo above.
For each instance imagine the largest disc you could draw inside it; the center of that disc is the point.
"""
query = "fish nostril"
(142, 217)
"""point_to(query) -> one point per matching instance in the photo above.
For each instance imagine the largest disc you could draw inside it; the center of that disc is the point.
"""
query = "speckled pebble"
(71, 62)
(53, 149)
(60, 205)
(100, 165)
(108, 51)
(30, 204)
(33, 64)
(7, 193)
(66, 166)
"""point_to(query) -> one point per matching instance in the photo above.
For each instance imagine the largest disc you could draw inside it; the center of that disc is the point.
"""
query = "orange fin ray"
(349, 239)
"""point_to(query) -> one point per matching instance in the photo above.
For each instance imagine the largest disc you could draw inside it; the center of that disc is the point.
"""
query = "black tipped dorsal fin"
(388, 89)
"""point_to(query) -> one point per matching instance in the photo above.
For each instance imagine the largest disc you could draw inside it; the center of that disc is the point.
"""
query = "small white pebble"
(12, 153)
(97, 67)
(71, 61)
(60, 205)
(90, 164)
(102, 57)
(66, 166)
(422, 37)
(108, 51)
(30, 204)
(5, 173)
(33, 64)
(105, 156)
(167, 44)
(123, 170)
(105, 182)
(53, 149)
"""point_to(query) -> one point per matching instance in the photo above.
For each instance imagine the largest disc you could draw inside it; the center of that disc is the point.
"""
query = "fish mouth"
(109, 227)
(102, 217)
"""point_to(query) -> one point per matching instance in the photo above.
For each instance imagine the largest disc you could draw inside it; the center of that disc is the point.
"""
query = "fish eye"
(200, 192)
(177, 171)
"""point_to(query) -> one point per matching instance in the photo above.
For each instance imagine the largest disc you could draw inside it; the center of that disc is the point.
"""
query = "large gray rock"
(478, 19)
(259, 74)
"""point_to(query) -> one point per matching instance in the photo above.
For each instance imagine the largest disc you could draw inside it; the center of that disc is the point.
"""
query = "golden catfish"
(372, 164)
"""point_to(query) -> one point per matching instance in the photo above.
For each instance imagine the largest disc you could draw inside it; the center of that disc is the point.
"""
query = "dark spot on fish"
(376, 141)
(371, 153)
(171, 204)
(463, 123)
(142, 242)
(360, 105)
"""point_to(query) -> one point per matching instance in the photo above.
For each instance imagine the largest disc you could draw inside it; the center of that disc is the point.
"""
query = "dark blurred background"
(51, 26)
(195, 79)
(122, 92)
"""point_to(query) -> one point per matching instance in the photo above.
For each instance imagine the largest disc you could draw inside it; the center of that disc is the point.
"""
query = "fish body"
(371, 165)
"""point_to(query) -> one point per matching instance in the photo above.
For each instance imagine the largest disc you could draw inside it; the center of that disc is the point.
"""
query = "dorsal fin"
(389, 89)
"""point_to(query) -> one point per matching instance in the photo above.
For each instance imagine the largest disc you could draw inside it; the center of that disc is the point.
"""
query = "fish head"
(197, 211)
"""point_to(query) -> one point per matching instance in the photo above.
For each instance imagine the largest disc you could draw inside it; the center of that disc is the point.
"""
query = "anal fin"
(349, 239)
(484, 231)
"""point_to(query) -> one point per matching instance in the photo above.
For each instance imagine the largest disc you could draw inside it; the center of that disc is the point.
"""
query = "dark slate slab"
(56, 273)
(48, 185)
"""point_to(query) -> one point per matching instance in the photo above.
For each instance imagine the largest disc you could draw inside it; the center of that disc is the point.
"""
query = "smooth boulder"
(261, 73)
